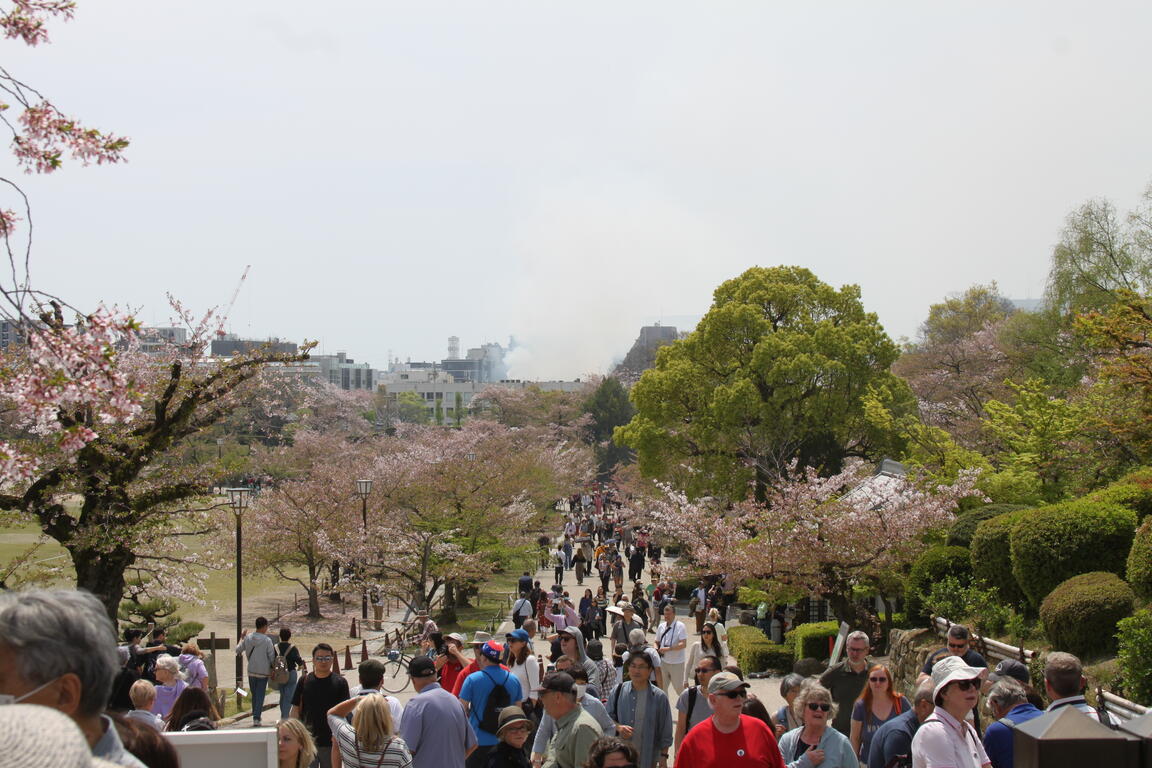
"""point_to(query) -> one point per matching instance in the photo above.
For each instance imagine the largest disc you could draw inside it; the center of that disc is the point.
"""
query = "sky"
(396, 173)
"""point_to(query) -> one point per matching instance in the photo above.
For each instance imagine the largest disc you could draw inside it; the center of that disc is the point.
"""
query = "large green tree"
(609, 407)
(771, 382)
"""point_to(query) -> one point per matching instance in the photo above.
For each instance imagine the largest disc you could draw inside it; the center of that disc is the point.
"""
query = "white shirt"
(528, 674)
(394, 706)
(666, 637)
(942, 741)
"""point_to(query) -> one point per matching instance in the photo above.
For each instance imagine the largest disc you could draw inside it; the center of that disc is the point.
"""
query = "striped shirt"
(395, 754)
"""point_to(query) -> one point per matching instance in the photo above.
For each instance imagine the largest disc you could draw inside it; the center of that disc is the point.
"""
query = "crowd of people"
(624, 682)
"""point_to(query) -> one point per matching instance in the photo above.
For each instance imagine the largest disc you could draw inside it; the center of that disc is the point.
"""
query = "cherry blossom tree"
(823, 535)
(116, 498)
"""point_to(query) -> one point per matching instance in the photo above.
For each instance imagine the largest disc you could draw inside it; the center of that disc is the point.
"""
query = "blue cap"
(518, 634)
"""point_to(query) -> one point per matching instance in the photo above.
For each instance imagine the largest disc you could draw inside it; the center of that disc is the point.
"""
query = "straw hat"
(32, 736)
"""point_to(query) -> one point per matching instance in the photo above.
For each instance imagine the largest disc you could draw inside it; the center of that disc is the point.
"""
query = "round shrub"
(1055, 543)
(930, 568)
(1140, 561)
(1135, 655)
(964, 527)
(1080, 614)
(991, 555)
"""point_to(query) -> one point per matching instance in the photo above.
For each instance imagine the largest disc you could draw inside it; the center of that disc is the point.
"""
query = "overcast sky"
(397, 173)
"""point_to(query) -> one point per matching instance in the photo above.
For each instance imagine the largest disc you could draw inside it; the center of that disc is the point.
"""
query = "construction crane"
(232, 301)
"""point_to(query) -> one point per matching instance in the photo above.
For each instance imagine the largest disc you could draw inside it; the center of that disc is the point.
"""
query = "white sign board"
(841, 638)
(252, 748)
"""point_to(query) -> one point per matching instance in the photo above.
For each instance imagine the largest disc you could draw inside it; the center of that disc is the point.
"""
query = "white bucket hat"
(32, 736)
(951, 669)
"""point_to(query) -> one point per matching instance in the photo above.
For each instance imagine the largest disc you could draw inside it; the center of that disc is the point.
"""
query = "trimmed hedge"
(1060, 541)
(810, 641)
(754, 652)
(964, 527)
(929, 569)
(1080, 614)
(1135, 655)
(1139, 571)
(1134, 491)
(991, 555)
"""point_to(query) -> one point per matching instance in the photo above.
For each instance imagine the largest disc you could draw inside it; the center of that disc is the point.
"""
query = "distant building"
(11, 335)
(642, 355)
(341, 371)
(231, 345)
(434, 386)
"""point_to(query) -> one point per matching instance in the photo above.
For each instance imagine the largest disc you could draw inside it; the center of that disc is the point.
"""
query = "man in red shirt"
(729, 738)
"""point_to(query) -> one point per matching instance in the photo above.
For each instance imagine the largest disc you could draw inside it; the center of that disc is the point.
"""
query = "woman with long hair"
(296, 668)
(709, 644)
(877, 705)
(371, 740)
(526, 669)
(295, 747)
(193, 711)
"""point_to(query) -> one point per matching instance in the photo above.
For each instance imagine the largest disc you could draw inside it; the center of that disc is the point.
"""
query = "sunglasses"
(878, 679)
(966, 685)
(740, 694)
(812, 705)
(958, 646)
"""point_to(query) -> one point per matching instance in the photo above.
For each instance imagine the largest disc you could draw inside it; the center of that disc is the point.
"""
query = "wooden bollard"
(347, 657)
(363, 650)
(352, 634)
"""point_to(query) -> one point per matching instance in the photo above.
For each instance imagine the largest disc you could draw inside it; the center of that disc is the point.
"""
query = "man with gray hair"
(1008, 700)
(58, 650)
(848, 679)
(894, 738)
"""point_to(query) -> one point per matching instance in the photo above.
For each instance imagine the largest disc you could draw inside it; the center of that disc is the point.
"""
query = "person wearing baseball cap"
(434, 727)
(575, 729)
(729, 737)
(474, 695)
(477, 643)
(525, 666)
(946, 738)
(450, 660)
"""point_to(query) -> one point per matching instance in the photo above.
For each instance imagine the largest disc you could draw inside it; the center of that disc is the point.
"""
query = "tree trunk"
(845, 609)
(314, 602)
(102, 574)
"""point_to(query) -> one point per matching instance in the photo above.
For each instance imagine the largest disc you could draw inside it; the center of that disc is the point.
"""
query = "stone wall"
(907, 651)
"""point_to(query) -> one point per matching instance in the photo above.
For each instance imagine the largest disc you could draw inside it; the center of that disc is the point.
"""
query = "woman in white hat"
(946, 738)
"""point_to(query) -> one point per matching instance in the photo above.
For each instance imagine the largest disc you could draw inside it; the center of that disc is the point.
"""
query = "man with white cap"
(40, 737)
(729, 737)
(627, 622)
(945, 737)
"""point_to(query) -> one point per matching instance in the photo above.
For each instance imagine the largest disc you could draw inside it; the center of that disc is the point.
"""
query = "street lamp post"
(363, 488)
(238, 500)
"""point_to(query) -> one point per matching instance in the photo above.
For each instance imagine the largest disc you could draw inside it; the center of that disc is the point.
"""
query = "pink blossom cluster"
(68, 369)
(8, 219)
(47, 135)
(27, 19)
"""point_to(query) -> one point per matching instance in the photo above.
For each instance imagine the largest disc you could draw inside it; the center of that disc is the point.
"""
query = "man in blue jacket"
(894, 737)
(1009, 704)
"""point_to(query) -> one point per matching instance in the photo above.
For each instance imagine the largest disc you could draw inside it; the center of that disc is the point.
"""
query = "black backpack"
(498, 698)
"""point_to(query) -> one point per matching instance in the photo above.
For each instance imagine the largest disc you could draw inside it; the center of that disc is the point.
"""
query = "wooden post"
(212, 664)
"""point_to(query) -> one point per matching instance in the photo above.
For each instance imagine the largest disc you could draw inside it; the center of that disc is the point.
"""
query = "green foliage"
(964, 527)
(810, 641)
(1139, 571)
(1057, 542)
(138, 610)
(1135, 655)
(958, 317)
(929, 569)
(1080, 614)
(1013, 485)
(754, 652)
(609, 407)
(991, 555)
(1033, 434)
(1133, 490)
(973, 604)
(775, 372)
